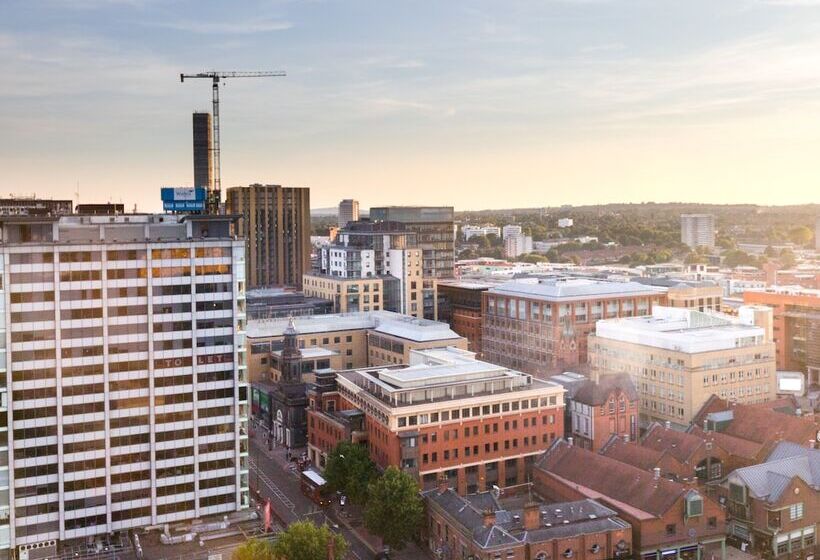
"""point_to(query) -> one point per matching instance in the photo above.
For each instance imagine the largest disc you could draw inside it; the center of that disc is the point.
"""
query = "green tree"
(304, 541)
(350, 471)
(694, 258)
(800, 235)
(254, 549)
(394, 509)
(787, 258)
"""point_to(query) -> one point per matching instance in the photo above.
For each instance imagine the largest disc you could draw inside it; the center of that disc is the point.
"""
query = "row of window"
(475, 411)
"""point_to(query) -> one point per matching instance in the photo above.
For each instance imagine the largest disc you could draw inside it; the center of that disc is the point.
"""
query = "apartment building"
(445, 413)
(348, 212)
(275, 222)
(435, 236)
(346, 295)
(125, 393)
(346, 340)
(516, 245)
(697, 230)
(678, 358)
(796, 327)
(509, 230)
(540, 326)
(383, 252)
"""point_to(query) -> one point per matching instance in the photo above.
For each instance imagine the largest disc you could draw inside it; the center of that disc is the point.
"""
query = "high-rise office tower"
(435, 235)
(348, 212)
(697, 230)
(124, 390)
(203, 151)
(275, 221)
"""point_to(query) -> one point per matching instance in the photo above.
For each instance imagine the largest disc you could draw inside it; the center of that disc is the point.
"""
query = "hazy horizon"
(478, 105)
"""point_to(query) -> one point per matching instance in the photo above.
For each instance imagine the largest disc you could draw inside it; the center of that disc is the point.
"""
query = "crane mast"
(215, 192)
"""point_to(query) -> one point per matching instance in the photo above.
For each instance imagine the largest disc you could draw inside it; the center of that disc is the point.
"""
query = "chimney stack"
(667, 425)
(331, 547)
(489, 518)
(569, 441)
(442, 483)
(656, 473)
(532, 516)
(626, 438)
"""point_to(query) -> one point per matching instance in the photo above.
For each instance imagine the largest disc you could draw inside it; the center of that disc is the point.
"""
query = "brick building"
(756, 424)
(540, 326)
(602, 408)
(460, 306)
(478, 526)
(775, 506)
(668, 518)
(446, 413)
(796, 327)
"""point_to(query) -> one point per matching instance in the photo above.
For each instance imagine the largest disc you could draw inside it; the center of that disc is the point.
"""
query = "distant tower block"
(203, 151)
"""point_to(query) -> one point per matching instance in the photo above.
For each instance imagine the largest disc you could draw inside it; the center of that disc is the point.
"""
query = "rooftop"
(440, 374)
(769, 480)
(556, 521)
(681, 330)
(758, 424)
(570, 289)
(386, 322)
(611, 479)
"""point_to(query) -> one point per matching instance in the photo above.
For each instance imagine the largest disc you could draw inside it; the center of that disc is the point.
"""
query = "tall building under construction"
(203, 151)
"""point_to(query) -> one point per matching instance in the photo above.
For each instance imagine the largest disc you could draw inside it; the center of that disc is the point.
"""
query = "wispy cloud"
(249, 27)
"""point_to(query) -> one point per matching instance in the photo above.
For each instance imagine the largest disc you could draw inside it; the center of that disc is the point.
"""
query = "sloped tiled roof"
(732, 445)
(596, 394)
(633, 454)
(679, 445)
(760, 424)
(611, 478)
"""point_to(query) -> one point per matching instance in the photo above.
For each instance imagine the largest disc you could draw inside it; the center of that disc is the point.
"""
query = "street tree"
(305, 541)
(394, 508)
(254, 549)
(349, 470)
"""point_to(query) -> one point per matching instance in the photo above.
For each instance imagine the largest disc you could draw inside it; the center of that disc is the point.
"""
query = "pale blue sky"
(471, 103)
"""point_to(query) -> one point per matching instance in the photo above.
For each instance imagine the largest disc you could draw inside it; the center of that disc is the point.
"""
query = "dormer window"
(694, 505)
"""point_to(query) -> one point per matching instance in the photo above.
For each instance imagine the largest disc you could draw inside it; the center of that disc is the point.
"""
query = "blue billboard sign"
(183, 199)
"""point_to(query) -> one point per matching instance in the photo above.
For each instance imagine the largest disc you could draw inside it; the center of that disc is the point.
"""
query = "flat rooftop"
(385, 322)
(570, 289)
(441, 374)
(681, 330)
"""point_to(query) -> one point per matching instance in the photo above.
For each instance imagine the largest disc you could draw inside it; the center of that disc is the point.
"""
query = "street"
(281, 485)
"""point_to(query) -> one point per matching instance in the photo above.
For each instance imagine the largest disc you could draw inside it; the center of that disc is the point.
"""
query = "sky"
(470, 103)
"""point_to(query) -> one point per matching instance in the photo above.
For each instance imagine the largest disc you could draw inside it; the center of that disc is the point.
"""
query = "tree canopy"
(350, 470)
(254, 549)
(304, 541)
(394, 508)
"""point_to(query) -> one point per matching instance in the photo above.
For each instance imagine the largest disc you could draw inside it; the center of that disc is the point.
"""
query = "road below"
(275, 481)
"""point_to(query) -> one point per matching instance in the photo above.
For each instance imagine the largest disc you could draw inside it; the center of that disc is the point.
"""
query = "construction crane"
(215, 194)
